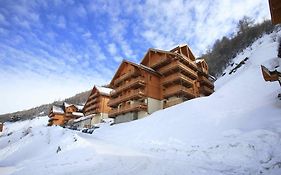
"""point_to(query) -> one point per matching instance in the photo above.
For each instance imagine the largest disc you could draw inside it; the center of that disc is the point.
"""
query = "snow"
(104, 90)
(83, 118)
(236, 130)
(57, 110)
(78, 114)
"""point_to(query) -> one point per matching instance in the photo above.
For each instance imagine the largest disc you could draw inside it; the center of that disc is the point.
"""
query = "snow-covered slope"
(236, 130)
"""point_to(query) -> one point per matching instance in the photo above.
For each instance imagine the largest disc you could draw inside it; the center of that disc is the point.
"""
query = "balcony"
(137, 82)
(134, 94)
(92, 111)
(206, 90)
(126, 76)
(92, 107)
(178, 78)
(93, 101)
(187, 61)
(205, 81)
(172, 102)
(94, 95)
(179, 90)
(161, 62)
(129, 108)
(177, 66)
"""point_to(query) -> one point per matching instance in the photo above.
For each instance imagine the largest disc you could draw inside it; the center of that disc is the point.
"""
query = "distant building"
(96, 108)
(161, 80)
(61, 114)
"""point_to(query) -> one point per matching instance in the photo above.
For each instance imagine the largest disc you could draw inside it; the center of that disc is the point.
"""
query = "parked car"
(88, 130)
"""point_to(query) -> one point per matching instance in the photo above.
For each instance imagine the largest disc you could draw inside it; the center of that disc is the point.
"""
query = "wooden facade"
(275, 11)
(133, 84)
(206, 86)
(96, 104)
(161, 80)
(60, 115)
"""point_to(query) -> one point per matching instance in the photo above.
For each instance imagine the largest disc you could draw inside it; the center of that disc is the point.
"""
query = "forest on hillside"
(225, 49)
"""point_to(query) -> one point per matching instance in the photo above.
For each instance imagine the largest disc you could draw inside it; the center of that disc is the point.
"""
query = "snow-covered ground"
(236, 130)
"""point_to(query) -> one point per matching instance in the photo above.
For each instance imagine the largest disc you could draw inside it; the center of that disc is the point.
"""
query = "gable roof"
(139, 66)
(155, 51)
(103, 90)
(57, 109)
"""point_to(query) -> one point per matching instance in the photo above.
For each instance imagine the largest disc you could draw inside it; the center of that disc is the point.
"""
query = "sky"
(53, 49)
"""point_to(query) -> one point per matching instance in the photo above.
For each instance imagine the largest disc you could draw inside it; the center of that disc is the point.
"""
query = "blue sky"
(54, 49)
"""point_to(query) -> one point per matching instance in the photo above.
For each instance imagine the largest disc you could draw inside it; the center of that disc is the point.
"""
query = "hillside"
(44, 109)
(236, 130)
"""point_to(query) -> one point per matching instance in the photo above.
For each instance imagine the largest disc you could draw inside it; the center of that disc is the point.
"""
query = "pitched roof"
(139, 66)
(155, 50)
(57, 109)
(103, 90)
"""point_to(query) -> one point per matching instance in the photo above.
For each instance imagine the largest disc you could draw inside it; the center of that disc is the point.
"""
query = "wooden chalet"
(61, 114)
(181, 77)
(206, 86)
(161, 80)
(136, 92)
(275, 11)
(96, 105)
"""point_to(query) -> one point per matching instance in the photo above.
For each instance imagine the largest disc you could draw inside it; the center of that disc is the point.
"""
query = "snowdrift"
(236, 130)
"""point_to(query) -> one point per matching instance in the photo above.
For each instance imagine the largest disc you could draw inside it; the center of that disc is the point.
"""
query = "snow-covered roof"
(80, 107)
(57, 109)
(104, 90)
(82, 118)
(78, 113)
(68, 104)
(199, 60)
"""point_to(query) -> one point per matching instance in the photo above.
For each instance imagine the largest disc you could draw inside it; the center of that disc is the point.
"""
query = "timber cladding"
(97, 101)
(165, 76)
(275, 11)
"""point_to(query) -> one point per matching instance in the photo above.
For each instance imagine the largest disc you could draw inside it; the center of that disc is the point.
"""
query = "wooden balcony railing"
(130, 108)
(93, 101)
(206, 90)
(179, 90)
(134, 94)
(172, 102)
(134, 82)
(126, 76)
(94, 95)
(95, 106)
(205, 81)
(176, 77)
(92, 111)
(176, 65)
(187, 61)
(160, 62)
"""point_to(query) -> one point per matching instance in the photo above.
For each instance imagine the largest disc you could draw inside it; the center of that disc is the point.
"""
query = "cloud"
(3, 20)
(61, 22)
(198, 22)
